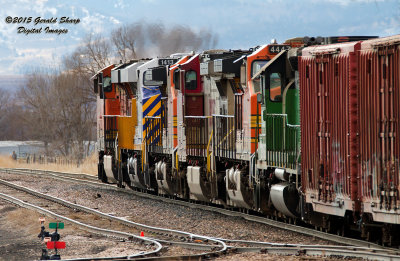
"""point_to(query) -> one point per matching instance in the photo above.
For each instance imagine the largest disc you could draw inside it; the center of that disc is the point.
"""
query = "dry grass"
(24, 219)
(28, 220)
(89, 165)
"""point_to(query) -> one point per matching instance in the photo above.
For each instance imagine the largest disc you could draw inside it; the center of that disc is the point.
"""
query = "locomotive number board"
(278, 48)
(167, 61)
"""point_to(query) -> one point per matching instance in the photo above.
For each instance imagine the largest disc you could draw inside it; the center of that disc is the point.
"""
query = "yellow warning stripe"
(155, 109)
(149, 102)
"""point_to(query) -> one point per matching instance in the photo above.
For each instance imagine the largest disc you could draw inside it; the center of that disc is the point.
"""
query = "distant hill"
(11, 82)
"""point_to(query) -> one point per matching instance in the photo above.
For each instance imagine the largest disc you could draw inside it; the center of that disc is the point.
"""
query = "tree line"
(57, 105)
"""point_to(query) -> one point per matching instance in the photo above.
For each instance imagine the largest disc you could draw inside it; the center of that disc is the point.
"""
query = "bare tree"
(58, 112)
(94, 54)
(37, 96)
(74, 117)
(4, 102)
(59, 106)
(128, 41)
(140, 40)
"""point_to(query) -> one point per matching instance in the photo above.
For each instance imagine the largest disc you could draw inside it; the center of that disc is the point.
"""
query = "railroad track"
(86, 220)
(92, 180)
(356, 248)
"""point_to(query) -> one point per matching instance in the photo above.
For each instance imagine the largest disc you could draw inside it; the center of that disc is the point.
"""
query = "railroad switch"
(43, 233)
(45, 254)
(51, 240)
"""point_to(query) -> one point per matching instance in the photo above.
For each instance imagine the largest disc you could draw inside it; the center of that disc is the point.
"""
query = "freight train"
(304, 131)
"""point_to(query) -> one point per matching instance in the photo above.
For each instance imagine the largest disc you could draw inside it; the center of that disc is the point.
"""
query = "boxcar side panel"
(329, 127)
(379, 119)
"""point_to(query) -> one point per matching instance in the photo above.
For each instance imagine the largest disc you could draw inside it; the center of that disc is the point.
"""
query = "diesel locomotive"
(304, 131)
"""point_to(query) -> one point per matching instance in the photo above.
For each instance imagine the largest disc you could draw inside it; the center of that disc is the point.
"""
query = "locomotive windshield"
(275, 87)
(177, 80)
(256, 66)
(148, 79)
(190, 80)
(107, 84)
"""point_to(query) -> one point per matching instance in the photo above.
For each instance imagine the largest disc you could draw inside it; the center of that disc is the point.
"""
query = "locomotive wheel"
(101, 173)
(120, 178)
(340, 231)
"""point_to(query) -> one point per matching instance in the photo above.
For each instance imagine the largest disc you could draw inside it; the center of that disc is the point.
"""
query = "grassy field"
(88, 166)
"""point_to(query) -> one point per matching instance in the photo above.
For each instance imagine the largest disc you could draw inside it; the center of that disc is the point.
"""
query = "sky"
(237, 23)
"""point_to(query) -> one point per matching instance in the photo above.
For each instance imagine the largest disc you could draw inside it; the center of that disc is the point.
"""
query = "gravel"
(19, 229)
(156, 213)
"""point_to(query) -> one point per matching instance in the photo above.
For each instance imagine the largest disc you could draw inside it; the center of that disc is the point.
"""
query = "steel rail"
(117, 234)
(258, 245)
(227, 212)
(364, 249)
(162, 231)
(88, 228)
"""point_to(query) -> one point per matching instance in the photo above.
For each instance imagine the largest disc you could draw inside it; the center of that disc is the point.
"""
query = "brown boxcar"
(379, 111)
(350, 108)
(329, 127)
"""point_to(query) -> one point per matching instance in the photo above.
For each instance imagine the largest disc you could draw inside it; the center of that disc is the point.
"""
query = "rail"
(88, 228)
(357, 248)
(216, 247)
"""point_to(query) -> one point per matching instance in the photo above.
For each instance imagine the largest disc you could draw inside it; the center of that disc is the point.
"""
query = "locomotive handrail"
(282, 150)
(208, 153)
(198, 117)
(225, 116)
(226, 136)
(197, 134)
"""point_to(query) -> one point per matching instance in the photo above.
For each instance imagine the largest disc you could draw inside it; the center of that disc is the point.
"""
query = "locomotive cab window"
(177, 81)
(148, 79)
(256, 66)
(107, 84)
(275, 87)
(190, 80)
(257, 84)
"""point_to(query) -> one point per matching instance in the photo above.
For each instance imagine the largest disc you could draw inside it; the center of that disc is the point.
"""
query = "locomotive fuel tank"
(164, 181)
(133, 172)
(199, 190)
(108, 169)
(238, 194)
(285, 198)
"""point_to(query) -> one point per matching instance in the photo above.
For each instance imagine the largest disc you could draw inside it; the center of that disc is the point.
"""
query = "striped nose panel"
(151, 107)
